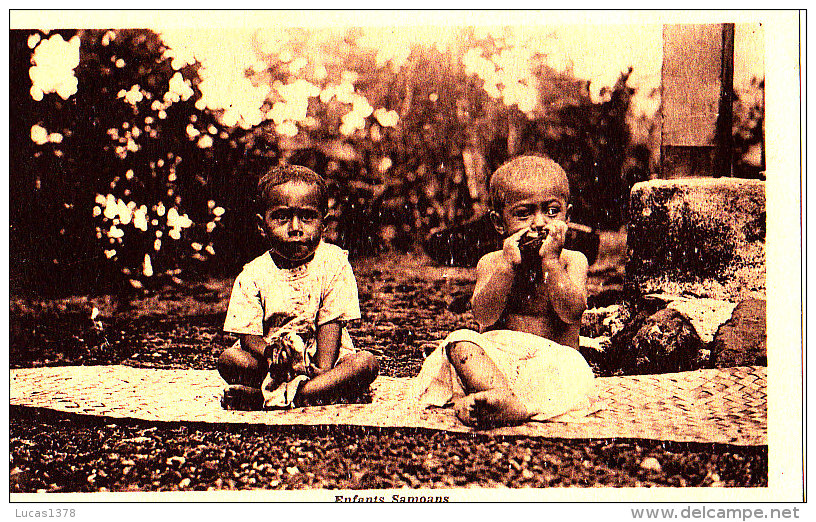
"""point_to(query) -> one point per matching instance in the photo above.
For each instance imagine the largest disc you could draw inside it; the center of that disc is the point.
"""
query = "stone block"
(742, 340)
(698, 237)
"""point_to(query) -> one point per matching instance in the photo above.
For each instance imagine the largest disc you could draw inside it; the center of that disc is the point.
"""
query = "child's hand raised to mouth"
(555, 234)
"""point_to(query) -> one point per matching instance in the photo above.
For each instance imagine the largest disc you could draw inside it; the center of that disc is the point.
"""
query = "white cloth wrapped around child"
(548, 378)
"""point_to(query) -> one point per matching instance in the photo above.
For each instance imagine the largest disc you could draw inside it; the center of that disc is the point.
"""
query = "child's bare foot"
(490, 408)
(243, 398)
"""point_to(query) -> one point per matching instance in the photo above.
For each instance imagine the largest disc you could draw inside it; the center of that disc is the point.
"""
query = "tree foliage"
(133, 179)
(132, 186)
(460, 112)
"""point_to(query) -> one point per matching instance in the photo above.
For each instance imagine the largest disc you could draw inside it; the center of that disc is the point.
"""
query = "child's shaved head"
(526, 171)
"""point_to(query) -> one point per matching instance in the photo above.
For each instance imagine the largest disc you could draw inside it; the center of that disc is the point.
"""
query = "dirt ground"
(405, 303)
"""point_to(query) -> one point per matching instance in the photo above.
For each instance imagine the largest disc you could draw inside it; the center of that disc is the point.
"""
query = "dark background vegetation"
(447, 124)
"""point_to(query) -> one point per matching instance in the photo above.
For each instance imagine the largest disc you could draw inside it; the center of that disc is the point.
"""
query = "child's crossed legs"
(245, 372)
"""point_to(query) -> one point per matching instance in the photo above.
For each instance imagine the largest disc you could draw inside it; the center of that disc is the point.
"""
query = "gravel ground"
(61, 453)
(405, 303)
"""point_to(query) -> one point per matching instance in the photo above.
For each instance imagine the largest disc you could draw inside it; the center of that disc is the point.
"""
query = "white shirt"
(266, 299)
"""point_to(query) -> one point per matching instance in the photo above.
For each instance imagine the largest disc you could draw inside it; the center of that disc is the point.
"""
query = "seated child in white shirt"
(289, 307)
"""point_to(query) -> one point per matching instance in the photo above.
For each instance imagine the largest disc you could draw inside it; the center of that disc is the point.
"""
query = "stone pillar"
(698, 77)
(698, 237)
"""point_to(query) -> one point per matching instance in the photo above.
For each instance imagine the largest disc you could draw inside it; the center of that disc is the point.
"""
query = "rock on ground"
(705, 314)
(703, 237)
(604, 321)
(742, 340)
(663, 342)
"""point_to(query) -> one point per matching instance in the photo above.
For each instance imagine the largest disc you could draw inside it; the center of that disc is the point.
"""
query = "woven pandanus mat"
(724, 406)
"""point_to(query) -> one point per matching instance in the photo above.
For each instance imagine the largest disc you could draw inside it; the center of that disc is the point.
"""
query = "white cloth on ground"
(550, 379)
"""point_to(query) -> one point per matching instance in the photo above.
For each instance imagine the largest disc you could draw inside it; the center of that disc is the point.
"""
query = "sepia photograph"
(405, 256)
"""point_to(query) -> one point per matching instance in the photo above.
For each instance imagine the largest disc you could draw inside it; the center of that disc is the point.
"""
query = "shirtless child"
(528, 301)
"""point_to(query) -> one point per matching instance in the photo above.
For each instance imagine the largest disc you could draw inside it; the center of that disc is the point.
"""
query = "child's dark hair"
(281, 174)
